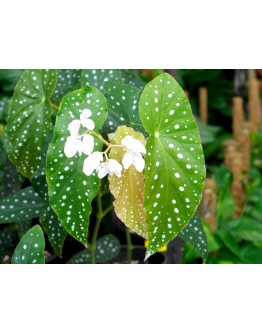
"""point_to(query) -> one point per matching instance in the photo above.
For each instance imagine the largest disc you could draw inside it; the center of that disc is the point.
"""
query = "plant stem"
(54, 106)
(129, 245)
(99, 137)
(100, 215)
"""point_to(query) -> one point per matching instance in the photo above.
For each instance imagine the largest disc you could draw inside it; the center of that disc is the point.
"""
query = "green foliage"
(70, 190)
(174, 160)
(24, 204)
(30, 249)
(107, 249)
(195, 235)
(123, 102)
(29, 119)
(98, 78)
(48, 218)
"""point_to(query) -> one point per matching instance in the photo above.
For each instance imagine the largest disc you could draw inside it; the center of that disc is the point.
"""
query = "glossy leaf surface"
(175, 168)
(29, 119)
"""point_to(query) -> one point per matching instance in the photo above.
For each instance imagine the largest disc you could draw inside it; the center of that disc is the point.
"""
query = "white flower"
(74, 143)
(133, 155)
(74, 127)
(133, 158)
(133, 144)
(110, 167)
(85, 120)
(92, 162)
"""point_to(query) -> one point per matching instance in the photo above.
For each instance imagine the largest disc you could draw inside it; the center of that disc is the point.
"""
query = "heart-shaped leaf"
(97, 78)
(67, 81)
(48, 218)
(29, 119)
(25, 204)
(30, 249)
(123, 104)
(129, 189)
(175, 168)
(195, 235)
(70, 190)
(107, 248)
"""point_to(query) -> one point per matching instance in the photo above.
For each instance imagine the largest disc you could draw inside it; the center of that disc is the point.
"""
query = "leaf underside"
(129, 189)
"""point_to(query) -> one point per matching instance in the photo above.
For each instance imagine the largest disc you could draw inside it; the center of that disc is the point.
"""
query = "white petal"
(127, 160)
(86, 113)
(88, 144)
(88, 123)
(92, 162)
(74, 127)
(102, 170)
(139, 163)
(79, 147)
(70, 148)
(133, 144)
(114, 167)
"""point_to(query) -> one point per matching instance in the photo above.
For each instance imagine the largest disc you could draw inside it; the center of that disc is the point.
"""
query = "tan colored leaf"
(128, 190)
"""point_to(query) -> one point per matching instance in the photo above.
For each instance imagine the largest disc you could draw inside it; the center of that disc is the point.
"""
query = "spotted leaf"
(195, 235)
(11, 180)
(129, 77)
(28, 120)
(175, 168)
(25, 204)
(48, 218)
(30, 249)
(107, 248)
(129, 189)
(67, 81)
(70, 190)
(122, 103)
(97, 78)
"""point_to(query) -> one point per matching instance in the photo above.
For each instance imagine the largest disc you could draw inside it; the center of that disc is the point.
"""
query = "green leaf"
(4, 105)
(11, 182)
(70, 190)
(30, 249)
(29, 119)
(128, 190)
(251, 254)
(123, 107)
(129, 77)
(97, 78)
(67, 81)
(246, 228)
(25, 204)
(229, 241)
(9, 78)
(48, 218)
(195, 235)
(175, 167)
(107, 248)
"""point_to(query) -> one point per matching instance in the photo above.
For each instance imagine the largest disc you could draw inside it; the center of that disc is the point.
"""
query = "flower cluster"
(84, 143)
